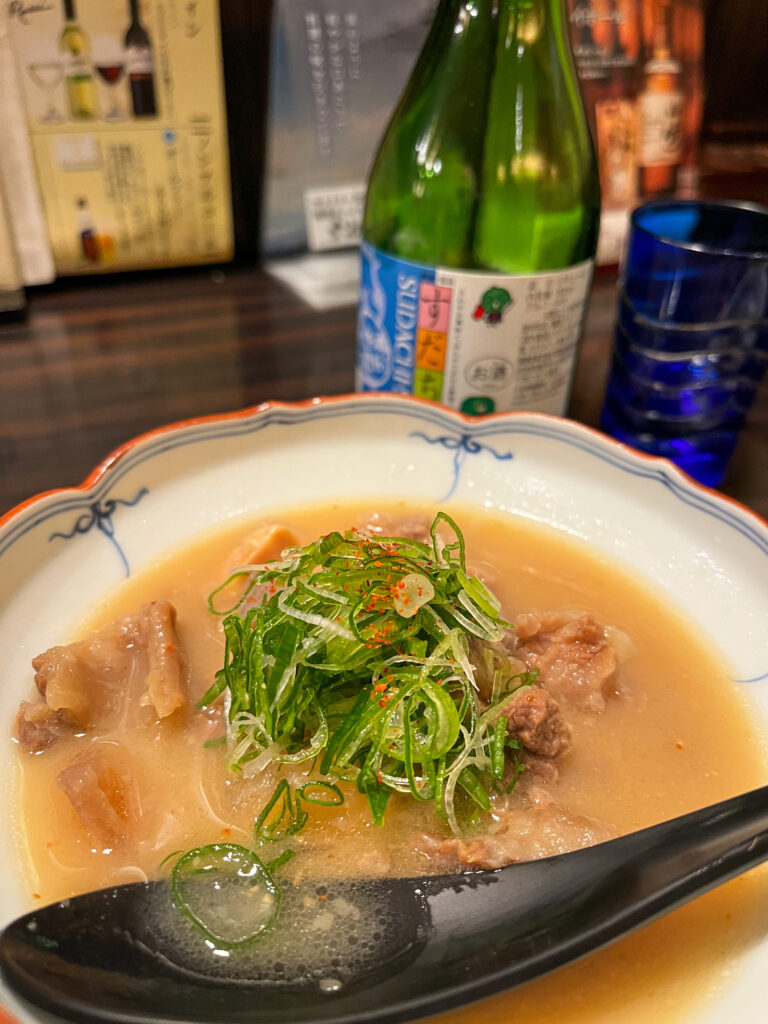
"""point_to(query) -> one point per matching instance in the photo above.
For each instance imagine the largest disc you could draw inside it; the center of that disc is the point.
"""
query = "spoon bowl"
(123, 955)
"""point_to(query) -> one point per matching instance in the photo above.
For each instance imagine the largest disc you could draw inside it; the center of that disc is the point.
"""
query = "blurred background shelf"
(100, 360)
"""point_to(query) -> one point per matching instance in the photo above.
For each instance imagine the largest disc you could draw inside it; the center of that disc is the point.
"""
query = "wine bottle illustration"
(86, 230)
(75, 45)
(140, 64)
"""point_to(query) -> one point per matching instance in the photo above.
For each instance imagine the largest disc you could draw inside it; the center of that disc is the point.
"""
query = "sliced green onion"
(227, 892)
(326, 794)
(280, 816)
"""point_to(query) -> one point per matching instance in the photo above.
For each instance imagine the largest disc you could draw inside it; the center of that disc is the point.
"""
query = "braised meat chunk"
(411, 527)
(575, 661)
(265, 544)
(135, 661)
(535, 719)
(38, 725)
(164, 681)
(103, 796)
(527, 833)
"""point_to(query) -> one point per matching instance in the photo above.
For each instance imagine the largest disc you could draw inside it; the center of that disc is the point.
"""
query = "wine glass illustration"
(110, 73)
(48, 76)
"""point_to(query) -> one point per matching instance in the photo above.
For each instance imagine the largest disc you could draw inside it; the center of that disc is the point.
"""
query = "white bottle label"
(661, 116)
(139, 60)
(476, 341)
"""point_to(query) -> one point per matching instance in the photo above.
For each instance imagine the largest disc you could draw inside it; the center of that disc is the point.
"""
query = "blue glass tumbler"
(691, 337)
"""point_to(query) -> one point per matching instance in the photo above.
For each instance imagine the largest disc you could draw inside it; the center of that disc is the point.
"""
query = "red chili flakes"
(679, 746)
(383, 702)
(380, 687)
(379, 778)
(226, 831)
(35, 895)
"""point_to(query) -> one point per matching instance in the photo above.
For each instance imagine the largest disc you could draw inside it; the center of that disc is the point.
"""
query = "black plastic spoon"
(432, 943)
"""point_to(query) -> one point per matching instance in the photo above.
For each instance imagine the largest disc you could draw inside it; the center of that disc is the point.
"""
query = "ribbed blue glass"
(691, 337)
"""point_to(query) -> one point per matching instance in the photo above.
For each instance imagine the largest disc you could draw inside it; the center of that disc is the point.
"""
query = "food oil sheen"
(481, 217)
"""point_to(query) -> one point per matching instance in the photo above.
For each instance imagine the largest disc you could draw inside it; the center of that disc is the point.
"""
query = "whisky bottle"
(661, 111)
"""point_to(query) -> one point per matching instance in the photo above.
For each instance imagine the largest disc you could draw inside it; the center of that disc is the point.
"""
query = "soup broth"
(666, 733)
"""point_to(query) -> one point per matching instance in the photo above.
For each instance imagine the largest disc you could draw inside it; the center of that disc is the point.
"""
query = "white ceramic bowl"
(60, 552)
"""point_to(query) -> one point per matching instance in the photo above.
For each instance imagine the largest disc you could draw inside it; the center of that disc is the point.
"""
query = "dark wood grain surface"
(102, 360)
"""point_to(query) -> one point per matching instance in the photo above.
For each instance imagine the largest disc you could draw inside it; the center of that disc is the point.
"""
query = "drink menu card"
(125, 109)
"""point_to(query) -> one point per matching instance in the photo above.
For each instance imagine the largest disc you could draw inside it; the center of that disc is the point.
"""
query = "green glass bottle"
(482, 215)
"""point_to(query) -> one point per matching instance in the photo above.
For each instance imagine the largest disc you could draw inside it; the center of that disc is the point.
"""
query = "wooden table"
(100, 360)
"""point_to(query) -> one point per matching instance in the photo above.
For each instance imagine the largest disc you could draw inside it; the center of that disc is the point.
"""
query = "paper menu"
(28, 233)
(125, 110)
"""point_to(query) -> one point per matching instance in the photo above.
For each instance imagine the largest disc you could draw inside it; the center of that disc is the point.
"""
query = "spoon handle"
(552, 911)
(684, 857)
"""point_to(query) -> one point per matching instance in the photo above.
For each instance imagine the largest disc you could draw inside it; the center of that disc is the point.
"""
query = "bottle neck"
(531, 16)
(661, 47)
(582, 17)
(617, 46)
(552, 11)
(69, 10)
(134, 4)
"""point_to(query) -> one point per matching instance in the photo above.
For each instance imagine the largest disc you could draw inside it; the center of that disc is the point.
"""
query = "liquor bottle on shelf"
(481, 216)
(590, 61)
(661, 110)
(140, 64)
(616, 115)
(86, 230)
(81, 88)
(688, 27)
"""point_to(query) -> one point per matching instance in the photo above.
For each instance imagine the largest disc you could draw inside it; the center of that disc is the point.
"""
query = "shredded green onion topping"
(357, 658)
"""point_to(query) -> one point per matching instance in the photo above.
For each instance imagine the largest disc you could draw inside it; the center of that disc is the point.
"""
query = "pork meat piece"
(165, 683)
(575, 661)
(89, 680)
(534, 717)
(412, 528)
(527, 834)
(265, 544)
(38, 725)
(103, 796)
(77, 678)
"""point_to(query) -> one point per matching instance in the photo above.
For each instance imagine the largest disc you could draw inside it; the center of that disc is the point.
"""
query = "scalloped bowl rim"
(706, 552)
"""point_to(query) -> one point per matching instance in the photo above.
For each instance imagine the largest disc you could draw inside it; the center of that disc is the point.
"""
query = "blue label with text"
(388, 323)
